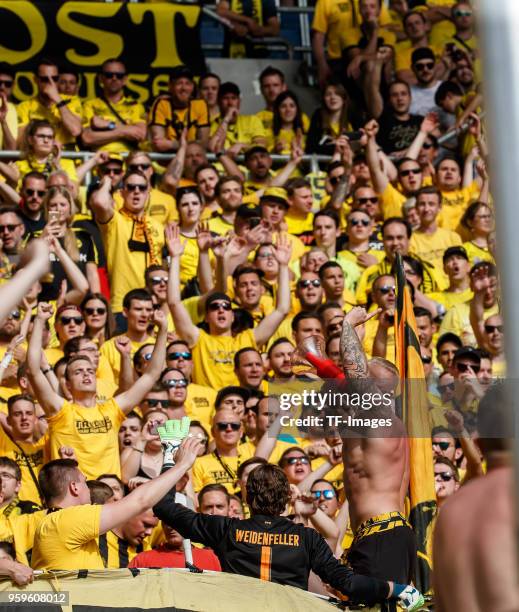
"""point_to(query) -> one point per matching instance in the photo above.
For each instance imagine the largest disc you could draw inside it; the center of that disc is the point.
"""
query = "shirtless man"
(376, 468)
(475, 562)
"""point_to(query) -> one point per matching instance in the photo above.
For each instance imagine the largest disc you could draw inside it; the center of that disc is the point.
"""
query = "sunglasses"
(116, 171)
(426, 359)
(295, 460)
(464, 367)
(372, 200)
(443, 445)
(462, 13)
(9, 227)
(222, 426)
(327, 494)
(214, 306)
(14, 314)
(309, 283)
(355, 222)
(427, 145)
(69, 320)
(137, 167)
(264, 255)
(153, 403)
(6, 82)
(93, 311)
(385, 289)
(136, 187)
(444, 476)
(33, 192)
(408, 172)
(490, 329)
(334, 180)
(174, 382)
(159, 280)
(114, 75)
(46, 79)
(447, 387)
(424, 66)
(178, 355)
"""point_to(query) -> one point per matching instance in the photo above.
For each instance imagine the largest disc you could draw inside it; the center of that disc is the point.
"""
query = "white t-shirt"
(422, 99)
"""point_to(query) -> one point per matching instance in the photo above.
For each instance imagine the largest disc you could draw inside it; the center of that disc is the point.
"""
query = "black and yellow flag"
(415, 414)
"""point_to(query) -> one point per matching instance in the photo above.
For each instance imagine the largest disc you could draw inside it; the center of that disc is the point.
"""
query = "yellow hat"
(275, 194)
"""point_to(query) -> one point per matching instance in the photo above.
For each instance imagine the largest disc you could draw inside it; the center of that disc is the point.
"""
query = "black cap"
(231, 390)
(469, 352)
(179, 72)
(217, 296)
(245, 212)
(422, 53)
(228, 88)
(455, 250)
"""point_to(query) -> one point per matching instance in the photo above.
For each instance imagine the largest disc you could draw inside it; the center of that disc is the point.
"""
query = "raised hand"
(455, 420)
(160, 319)
(430, 123)
(173, 241)
(204, 238)
(480, 279)
(67, 452)
(359, 315)
(282, 249)
(123, 345)
(371, 128)
(45, 311)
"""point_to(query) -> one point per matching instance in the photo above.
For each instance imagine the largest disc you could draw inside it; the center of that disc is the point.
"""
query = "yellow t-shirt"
(67, 540)
(430, 247)
(200, 404)
(160, 206)
(477, 253)
(297, 226)
(126, 267)
(450, 299)
(286, 136)
(36, 454)
(209, 470)
(455, 203)
(247, 129)
(213, 358)
(457, 321)
(127, 108)
(194, 116)
(31, 165)
(92, 433)
(20, 530)
(391, 202)
(116, 552)
(112, 356)
(219, 225)
(335, 18)
(371, 328)
(351, 38)
(34, 109)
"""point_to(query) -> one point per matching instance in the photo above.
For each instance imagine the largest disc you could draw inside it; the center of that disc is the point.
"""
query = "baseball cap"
(455, 250)
(217, 296)
(467, 352)
(113, 156)
(68, 307)
(255, 149)
(245, 212)
(179, 72)
(231, 390)
(275, 194)
(421, 54)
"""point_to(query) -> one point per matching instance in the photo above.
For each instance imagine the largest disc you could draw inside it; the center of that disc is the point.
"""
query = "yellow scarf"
(143, 233)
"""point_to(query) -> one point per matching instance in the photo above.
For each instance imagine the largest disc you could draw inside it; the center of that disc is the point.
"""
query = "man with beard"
(12, 230)
(229, 194)
(206, 178)
(30, 200)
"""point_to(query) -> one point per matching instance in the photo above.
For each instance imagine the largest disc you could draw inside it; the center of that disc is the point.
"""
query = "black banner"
(149, 37)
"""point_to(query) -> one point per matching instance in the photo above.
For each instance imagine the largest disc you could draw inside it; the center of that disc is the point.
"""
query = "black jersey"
(272, 548)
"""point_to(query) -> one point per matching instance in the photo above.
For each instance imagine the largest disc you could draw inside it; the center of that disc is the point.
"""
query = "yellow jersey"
(247, 129)
(200, 404)
(92, 433)
(34, 109)
(112, 356)
(455, 203)
(215, 469)
(213, 358)
(174, 120)
(129, 253)
(457, 321)
(31, 165)
(20, 529)
(477, 253)
(116, 552)
(67, 540)
(160, 206)
(430, 247)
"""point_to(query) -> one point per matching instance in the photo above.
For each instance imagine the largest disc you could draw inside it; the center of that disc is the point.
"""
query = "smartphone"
(391, 319)
(53, 216)
(351, 136)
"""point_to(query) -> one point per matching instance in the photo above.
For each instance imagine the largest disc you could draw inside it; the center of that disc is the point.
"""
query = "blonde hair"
(69, 239)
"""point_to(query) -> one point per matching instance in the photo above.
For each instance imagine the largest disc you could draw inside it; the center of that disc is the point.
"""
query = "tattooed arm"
(354, 362)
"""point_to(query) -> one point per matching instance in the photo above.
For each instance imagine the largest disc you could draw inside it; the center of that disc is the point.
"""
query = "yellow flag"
(415, 415)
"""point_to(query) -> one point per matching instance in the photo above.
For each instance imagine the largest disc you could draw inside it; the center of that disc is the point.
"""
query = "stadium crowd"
(184, 288)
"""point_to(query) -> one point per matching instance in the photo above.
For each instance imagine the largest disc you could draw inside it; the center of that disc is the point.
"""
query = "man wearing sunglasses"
(379, 336)
(221, 466)
(131, 238)
(62, 112)
(113, 122)
(444, 444)
(309, 292)
(446, 479)
(84, 423)
(423, 65)
(364, 247)
(8, 116)
(178, 389)
(32, 194)
(213, 351)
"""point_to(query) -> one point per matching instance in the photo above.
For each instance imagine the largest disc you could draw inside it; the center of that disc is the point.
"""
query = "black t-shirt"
(395, 135)
(272, 548)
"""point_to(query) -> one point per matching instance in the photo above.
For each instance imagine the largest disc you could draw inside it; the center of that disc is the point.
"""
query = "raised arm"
(78, 281)
(378, 176)
(204, 240)
(266, 328)
(49, 400)
(129, 399)
(175, 168)
(102, 202)
(183, 324)
(428, 126)
(481, 282)
(126, 373)
(342, 189)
